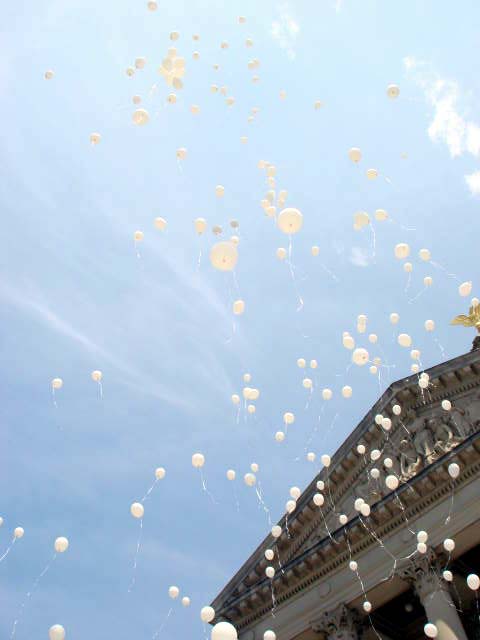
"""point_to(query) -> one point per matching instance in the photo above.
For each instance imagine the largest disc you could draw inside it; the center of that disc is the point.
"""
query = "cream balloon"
(347, 391)
(249, 479)
(207, 614)
(391, 482)
(465, 289)
(186, 601)
(224, 256)
(473, 582)
(200, 225)
(360, 357)
(160, 224)
(95, 138)
(61, 545)
(140, 117)
(430, 630)
(49, 74)
(231, 475)
(393, 91)
(355, 154)
(198, 460)
(173, 592)
(288, 418)
(56, 632)
(404, 340)
(97, 376)
(137, 510)
(290, 221)
(402, 250)
(57, 383)
(238, 307)
(160, 473)
(18, 532)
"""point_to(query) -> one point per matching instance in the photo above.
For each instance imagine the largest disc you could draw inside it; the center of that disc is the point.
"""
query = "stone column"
(340, 624)
(435, 597)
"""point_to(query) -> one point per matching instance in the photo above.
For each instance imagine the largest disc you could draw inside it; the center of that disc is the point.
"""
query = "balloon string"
(330, 273)
(448, 518)
(29, 594)
(442, 268)
(101, 389)
(274, 602)
(135, 243)
(199, 260)
(54, 399)
(290, 266)
(150, 490)
(9, 548)
(374, 242)
(422, 291)
(204, 486)
(262, 504)
(409, 282)
(132, 583)
(440, 346)
(160, 629)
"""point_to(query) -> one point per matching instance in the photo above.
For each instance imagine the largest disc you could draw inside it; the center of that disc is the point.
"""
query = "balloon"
(394, 318)
(317, 104)
(230, 101)
(301, 362)
(224, 631)
(217, 229)
(397, 409)
(355, 154)
(241, 20)
(447, 575)
(140, 117)
(307, 383)
(295, 492)
(18, 532)
(283, 94)
(186, 601)
(247, 377)
(281, 253)
(280, 436)
(473, 581)
(393, 91)
(449, 544)
(453, 470)
(424, 254)
(130, 71)
(381, 215)
(173, 592)
(348, 342)
(375, 473)
(224, 256)
(408, 267)
(315, 251)
(290, 221)
(174, 35)
(152, 5)
(360, 357)
(137, 510)
(311, 456)
(231, 474)
(96, 376)
(238, 307)
(1, 521)
(181, 153)
(320, 485)
(160, 473)
(358, 503)
(446, 405)
(57, 383)
(428, 281)
(160, 224)
(465, 289)
(57, 632)
(95, 138)
(249, 479)
(342, 518)
(429, 325)
(318, 499)
(422, 536)
(276, 531)
(361, 219)
(372, 174)
(361, 449)
(269, 554)
(402, 250)
(386, 423)
(430, 630)
(290, 506)
(136, 99)
(375, 454)
(140, 62)
(61, 545)
(327, 394)
(313, 364)
(235, 398)
(347, 391)
(404, 340)
(365, 510)
(200, 225)
(49, 74)
(373, 338)
(219, 191)
(195, 109)
(254, 467)
(198, 460)
(249, 42)
(415, 354)
(138, 236)
(388, 463)
(288, 418)
(207, 614)
(391, 482)
(269, 635)
(326, 460)
(367, 606)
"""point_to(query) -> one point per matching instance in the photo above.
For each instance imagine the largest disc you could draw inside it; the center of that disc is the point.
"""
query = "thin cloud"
(285, 31)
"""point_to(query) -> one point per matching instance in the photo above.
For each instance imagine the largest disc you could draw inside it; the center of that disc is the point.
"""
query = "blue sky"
(75, 297)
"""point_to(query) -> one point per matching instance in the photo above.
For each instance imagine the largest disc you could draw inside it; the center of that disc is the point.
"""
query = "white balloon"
(375, 473)
(428, 281)
(404, 340)
(56, 632)
(269, 635)
(361, 449)
(391, 482)
(269, 554)
(307, 383)
(173, 592)
(393, 91)
(408, 267)
(446, 405)
(186, 601)
(465, 289)
(200, 225)
(231, 474)
(447, 575)
(318, 499)
(355, 154)
(160, 224)
(365, 510)
(235, 398)
(397, 409)
(181, 153)
(18, 532)
(327, 394)
(326, 460)
(353, 565)
(238, 307)
(311, 456)
(425, 255)
(422, 536)
(313, 364)
(422, 547)
(138, 236)
(430, 630)
(249, 479)
(219, 191)
(61, 545)
(57, 383)
(290, 221)
(95, 138)
(49, 74)
(402, 250)
(224, 256)
(429, 325)
(207, 614)
(394, 318)
(198, 460)
(276, 531)
(386, 423)
(320, 485)
(348, 342)
(224, 631)
(288, 418)
(347, 391)
(449, 544)
(140, 117)
(315, 251)
(372, 174)
(290, 506)
(373, 338)
(473, 581)
(375, 454)
(301, 362)
(453, 470)
(381, 215)
(342, 518)
(279, 436)
(281, 253)
(295, 492)
(358, 503)
(137, 510)
(160, 473)
(367, 606)
(360, 357)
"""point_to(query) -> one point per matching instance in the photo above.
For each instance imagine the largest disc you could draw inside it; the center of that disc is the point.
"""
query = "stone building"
(314, 594)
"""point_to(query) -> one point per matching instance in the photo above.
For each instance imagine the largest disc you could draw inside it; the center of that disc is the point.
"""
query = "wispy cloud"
(359, 257)
(449, 124)
(285, 30)
(473, 182)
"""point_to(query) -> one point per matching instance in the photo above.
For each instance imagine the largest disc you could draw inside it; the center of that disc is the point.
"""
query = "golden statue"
(472, 320)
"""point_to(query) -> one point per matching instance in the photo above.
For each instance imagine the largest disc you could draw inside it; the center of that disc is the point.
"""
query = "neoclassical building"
(316, 595)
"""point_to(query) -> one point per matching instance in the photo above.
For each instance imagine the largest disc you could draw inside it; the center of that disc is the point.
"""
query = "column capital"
(340, 624)
(421, 573)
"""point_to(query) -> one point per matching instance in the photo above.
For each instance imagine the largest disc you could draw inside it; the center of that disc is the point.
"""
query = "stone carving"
(422, 573)
(410, 459)
(340, 624)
